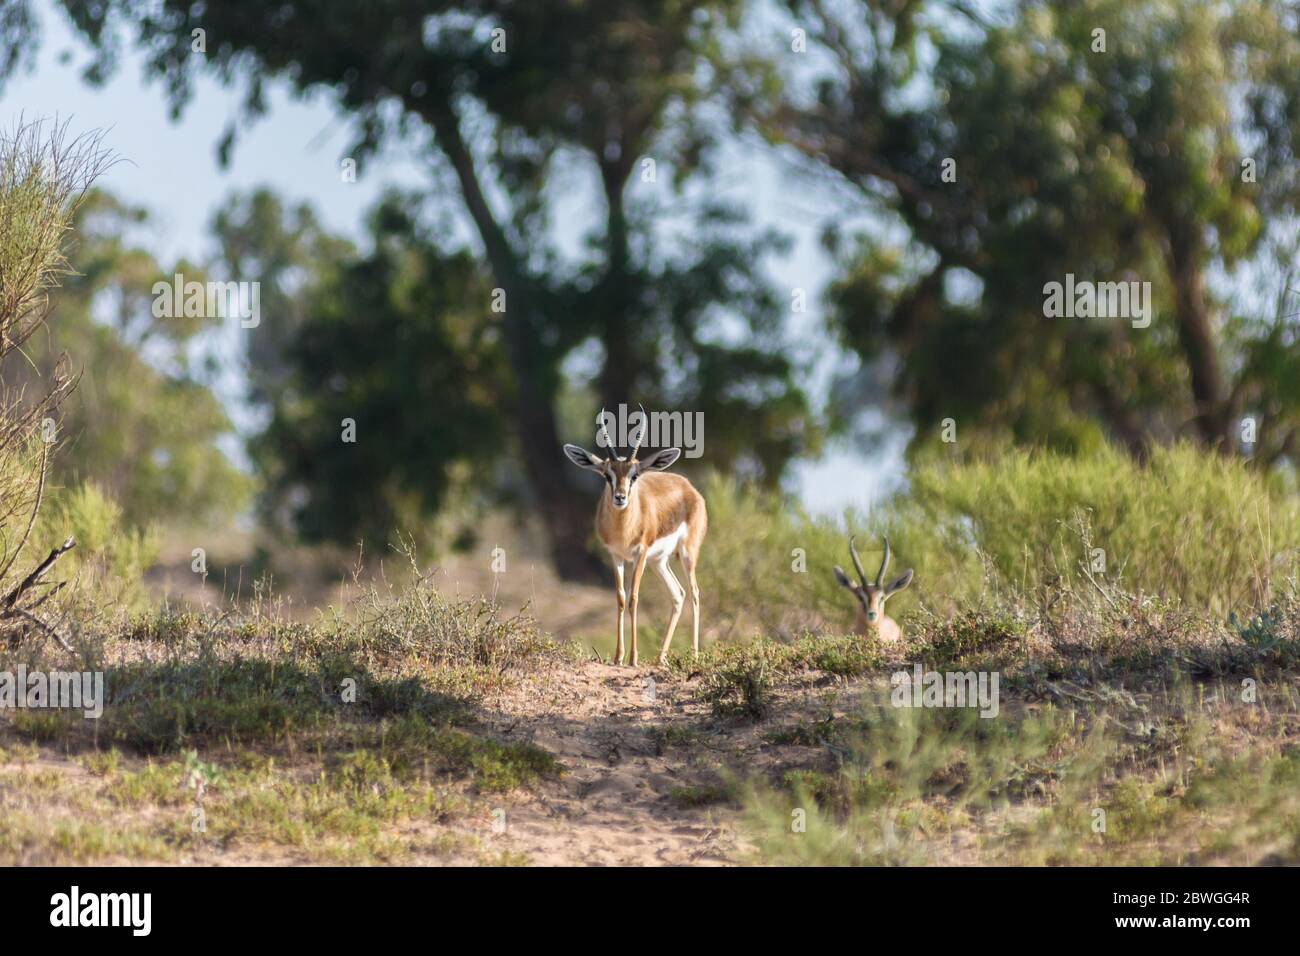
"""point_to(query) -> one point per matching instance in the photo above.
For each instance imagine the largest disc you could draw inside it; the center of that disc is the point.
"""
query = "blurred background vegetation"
(1161, 150)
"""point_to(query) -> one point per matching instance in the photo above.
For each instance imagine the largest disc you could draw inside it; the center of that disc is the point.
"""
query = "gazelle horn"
(604, 430)
(857, 562)
(645, 426)
(880, 578)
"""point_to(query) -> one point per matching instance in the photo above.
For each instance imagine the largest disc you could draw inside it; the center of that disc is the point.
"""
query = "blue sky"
(171, 169)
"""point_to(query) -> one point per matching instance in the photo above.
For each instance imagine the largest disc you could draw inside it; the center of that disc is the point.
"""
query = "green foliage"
(909, 776)
(1180, 780)
(969, 631)
(669, 737)
(1274, 633)
(145, 430)
(111, 557)
(1207, 530)
(1260, 632)
(322, 736)
(422, 643)
(802, 735)
(647, 288)
(706, 794)
(161, 708)
(741, 685)
(44, 726)
(409, 747)
(850, 657)
(746, 571)
(496, 766)
(738, 680)
(401, 341)
(465, 644)
(1127, 163)
(43, 181)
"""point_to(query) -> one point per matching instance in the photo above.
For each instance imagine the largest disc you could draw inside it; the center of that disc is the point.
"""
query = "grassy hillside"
(1146, 712)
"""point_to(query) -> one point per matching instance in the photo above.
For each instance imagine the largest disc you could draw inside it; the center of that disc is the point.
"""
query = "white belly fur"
(660, 548)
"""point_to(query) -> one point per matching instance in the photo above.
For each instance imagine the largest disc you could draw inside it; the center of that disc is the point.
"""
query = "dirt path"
(646, 769)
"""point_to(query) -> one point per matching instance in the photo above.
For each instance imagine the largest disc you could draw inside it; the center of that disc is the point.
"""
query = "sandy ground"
(615, 803)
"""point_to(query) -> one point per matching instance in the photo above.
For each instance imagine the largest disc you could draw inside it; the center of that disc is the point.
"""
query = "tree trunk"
(567, 514)
(1124, 425)
(1197, 337)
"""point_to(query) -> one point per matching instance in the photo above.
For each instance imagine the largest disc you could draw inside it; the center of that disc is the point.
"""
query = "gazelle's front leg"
(637, 571)
(621, 596)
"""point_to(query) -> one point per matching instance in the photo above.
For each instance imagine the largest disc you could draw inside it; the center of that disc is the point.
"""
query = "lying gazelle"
(645, 516)
(871, 618)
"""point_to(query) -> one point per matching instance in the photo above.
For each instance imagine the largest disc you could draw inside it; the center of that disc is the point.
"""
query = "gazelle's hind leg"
(679, 598)
(688, 563)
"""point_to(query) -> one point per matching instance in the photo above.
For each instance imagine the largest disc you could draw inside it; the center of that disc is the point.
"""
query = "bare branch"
(37, 573)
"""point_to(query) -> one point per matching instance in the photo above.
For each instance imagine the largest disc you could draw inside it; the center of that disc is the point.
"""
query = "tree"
(515, 95)
(44, 175)
(384, 379)
(1146, 141)
(143, 424)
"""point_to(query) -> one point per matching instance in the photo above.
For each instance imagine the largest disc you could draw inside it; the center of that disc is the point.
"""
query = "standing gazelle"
(645, 516)
(871, 619)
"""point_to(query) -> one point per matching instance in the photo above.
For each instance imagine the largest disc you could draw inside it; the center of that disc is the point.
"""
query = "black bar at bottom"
(336, 906)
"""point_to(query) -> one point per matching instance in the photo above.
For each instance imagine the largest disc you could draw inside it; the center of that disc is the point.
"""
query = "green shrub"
(747, 566)
(903, 779)
(44, 176)
(1273, 634)
(705, 794)
(44, 726)
(740, 683)
(157, 708)
(110, 559)
(967, 632)
(1207, 530)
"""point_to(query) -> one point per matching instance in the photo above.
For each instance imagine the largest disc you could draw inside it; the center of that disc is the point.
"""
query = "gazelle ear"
(900, 582)
(843, 578)
(583, 458)
(661, 459)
